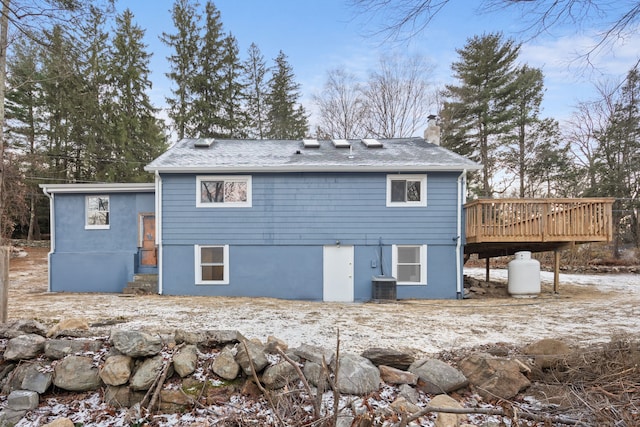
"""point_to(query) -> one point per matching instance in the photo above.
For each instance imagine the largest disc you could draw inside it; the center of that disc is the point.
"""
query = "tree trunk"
(4, 26)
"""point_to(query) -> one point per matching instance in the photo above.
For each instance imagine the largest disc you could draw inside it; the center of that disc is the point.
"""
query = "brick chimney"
(432, 133)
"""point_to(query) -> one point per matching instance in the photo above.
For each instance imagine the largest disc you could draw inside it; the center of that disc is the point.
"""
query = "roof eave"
(99, 188)
(328, 168)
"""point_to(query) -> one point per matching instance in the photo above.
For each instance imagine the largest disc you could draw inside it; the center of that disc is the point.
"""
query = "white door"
(337, 272)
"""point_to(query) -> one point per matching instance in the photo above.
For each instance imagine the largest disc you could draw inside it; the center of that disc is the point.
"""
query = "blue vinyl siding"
(276, 245)
(311, 209)
(96, 260)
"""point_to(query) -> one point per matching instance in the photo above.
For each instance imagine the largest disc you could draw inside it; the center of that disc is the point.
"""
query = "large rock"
(23, 400)
(146, 373)
(185, 360)
(437, 377)
(15, 378)
(397, 376)
(37, 378)
(210, 338)
(251, 355)
(59, 349)
(402, 406)
(357, 375)
(225, 365)
(60, 422)
(494, 377)
(76, 373)
(136, 343)
(24, 347)
(22, 327)
(315, 354)
(444, 419)
(116, 370)
(316, 375)
(547, 352)
(389, 357)
(122, 396)
(71, 324)
(279, 375)
(174, 401)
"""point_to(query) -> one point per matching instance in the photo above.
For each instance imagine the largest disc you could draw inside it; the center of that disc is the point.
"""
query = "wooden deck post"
(4, 282)
(556, 271)
(487, 261)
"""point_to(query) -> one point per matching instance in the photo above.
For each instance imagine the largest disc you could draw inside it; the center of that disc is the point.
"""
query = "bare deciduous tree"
(341, 107)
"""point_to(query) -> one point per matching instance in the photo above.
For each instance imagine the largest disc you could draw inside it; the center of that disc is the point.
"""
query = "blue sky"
(320, 35)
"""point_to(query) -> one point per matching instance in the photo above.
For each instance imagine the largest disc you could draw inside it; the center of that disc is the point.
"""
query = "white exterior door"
(338, 273)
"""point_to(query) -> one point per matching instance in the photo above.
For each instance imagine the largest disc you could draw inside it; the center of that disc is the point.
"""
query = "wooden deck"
(499, 227)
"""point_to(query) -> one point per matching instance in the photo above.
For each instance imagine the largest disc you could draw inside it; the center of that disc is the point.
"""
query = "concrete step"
(142, 284)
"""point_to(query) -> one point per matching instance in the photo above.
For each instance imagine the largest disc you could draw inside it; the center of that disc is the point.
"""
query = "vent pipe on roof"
(432, 133)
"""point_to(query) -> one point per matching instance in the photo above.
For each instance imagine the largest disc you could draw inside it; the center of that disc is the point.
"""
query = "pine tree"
(207, 85)
(255, 80)
(183, 64)
(137, 136)
(286, 119)
(233, 116)
(479, 112)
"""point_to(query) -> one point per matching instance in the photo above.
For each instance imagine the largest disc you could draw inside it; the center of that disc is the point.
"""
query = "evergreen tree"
(137, 136)
(479, 112)
(183, 61)
(286, 119)
(207, 82)
(255, 81)
(233, 116)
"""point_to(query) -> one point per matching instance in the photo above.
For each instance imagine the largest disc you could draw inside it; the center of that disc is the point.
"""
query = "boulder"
(136, 343)
(22, 327)
(389, 357)
(60, 422)
(15, 378)
(23, 400)
(116, 370)
(210, 338)
(72, 324)
(437, 377)
(122, 396)
(402, 406)
(273, 344)
(173, 401)
(59, 349)
(316, 376)
(547, 352)
(357, 375)
(315, 354)
(10, 417)
(409, 393)
(38, 378)
(76, 373)
(24, 347)
(185, 360)
(225, 365)
(279, 375)
(494, 377)
(444, 419)
(146, 373)
(396, 376)
(251, 355)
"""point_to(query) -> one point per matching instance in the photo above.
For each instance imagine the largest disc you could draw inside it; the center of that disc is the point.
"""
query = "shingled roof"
(241, 156)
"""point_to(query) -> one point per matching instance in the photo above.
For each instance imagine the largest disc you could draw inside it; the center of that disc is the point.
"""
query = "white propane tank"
(524, 276)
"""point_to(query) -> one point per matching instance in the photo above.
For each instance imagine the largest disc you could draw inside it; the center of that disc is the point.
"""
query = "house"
(314, 220)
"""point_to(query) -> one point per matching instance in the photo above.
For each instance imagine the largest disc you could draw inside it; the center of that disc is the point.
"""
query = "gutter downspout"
(462, 183)
(158, 201)
(52, 235)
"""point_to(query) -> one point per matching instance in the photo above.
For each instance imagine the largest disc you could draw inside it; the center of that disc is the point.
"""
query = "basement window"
(96, 212)
(212, 265)
(406, 190)
(223, 191)
(409, 264)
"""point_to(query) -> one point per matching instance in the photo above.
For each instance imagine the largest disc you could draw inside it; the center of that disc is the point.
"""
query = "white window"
(212, 265)
(409, 264)
(96, 212)
(223, 191)
(406, 190)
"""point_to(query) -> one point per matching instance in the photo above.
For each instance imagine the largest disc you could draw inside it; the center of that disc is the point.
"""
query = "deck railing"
(539, 220)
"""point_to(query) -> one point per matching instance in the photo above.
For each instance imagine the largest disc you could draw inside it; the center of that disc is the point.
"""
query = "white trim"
(198, 265)
(354, 167)
(423, 264)
(98, 188)
(106, 226)
(158, 209)
(52, 235)
(458, 249)
(236, 178)
(422, 178)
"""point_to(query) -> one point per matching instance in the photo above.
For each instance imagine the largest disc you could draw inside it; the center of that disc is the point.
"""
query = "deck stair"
(142, 284)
